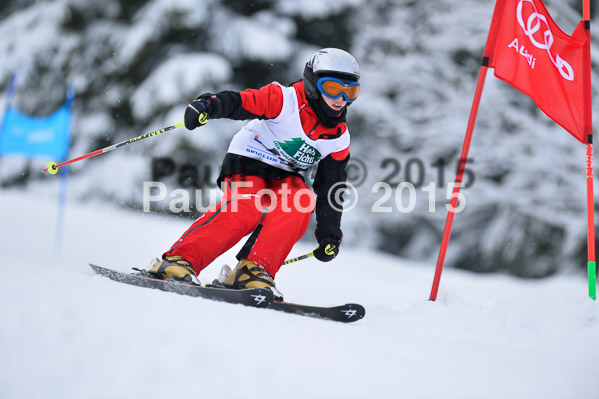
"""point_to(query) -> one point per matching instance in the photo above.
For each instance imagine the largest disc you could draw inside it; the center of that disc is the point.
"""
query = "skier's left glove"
(327, 250)
(196, 114)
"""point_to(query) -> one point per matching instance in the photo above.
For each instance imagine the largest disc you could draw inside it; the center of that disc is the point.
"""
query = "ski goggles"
(335, 88)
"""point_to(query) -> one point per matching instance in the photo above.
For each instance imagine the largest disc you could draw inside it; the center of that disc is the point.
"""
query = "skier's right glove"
(327, 250)
(196, 114)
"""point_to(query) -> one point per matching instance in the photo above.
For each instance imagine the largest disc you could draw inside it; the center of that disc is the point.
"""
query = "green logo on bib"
(298, 152)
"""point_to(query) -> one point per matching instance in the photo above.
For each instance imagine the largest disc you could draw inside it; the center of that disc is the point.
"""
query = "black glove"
(196, 114)
(327, 250)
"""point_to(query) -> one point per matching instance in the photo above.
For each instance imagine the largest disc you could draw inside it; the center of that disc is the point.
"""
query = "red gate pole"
(588, 126)
(460, 175)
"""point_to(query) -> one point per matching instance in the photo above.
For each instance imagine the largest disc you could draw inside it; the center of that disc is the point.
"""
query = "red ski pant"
(275, 212)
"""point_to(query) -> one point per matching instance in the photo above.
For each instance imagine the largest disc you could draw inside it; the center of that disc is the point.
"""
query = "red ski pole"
(53, 166)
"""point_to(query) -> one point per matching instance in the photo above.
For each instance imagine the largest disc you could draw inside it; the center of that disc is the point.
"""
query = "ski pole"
(328, 251)
(306, 256)
(53, 166)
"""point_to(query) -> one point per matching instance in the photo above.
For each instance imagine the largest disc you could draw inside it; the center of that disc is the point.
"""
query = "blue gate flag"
(32, 136)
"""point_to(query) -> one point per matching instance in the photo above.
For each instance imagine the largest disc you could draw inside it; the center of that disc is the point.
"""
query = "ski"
(255, 297)
(347, 313)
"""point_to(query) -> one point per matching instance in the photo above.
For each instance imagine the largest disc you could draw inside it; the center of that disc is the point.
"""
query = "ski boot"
(248, 274)
(173, 268)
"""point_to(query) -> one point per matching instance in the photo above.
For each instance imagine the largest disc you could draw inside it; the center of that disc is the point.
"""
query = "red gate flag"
(528, 50)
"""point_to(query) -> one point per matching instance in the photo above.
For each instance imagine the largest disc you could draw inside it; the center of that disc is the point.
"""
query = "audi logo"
(532, 25)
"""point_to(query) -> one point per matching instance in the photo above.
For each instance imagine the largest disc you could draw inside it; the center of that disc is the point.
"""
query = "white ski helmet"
(329, 62)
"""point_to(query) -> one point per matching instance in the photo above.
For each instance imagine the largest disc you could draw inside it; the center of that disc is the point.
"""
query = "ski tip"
(354, 311)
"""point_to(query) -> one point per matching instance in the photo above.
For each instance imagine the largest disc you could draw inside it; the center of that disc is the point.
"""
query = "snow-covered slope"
(67, 333)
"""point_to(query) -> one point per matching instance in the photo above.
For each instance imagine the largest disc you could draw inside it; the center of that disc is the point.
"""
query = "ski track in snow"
(67, 333)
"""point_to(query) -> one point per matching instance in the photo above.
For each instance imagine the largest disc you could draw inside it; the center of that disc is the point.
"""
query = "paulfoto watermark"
(342, 197)
(390, 170)
(404, 185)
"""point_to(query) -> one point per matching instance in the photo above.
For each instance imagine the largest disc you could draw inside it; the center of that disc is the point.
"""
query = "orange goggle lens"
(335, 88)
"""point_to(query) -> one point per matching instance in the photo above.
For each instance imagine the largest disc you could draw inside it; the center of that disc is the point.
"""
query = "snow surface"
(67, 333)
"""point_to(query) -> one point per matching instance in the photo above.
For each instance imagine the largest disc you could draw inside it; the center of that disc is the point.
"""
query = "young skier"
(293, 131)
